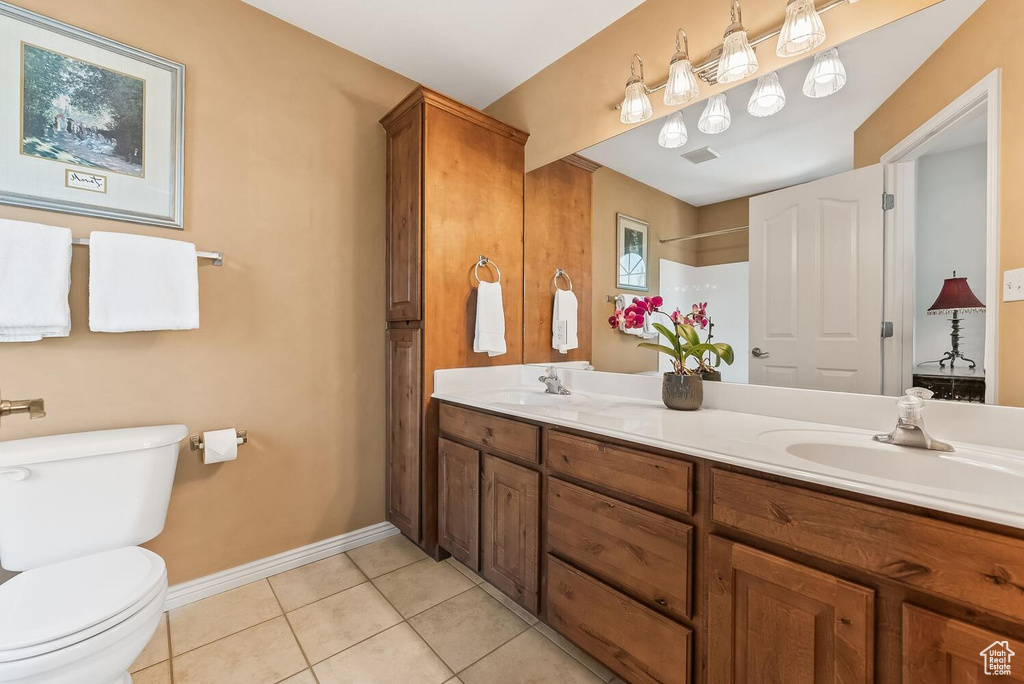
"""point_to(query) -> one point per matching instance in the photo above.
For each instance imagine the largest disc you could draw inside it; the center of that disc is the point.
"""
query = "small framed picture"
(88, 125)
(632, 253)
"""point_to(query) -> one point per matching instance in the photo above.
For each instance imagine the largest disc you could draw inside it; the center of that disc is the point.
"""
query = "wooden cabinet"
(941, 650)
(404, 404)
(772, 620)
(511, 529)
(458, 516)
(404, 217)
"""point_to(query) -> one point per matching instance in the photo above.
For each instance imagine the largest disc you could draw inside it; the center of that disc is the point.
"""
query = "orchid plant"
(683, 335)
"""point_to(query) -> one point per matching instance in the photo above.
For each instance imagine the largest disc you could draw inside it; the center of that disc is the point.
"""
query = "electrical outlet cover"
(1013, 285)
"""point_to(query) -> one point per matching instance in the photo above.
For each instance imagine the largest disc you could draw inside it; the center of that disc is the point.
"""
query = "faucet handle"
(911, 404)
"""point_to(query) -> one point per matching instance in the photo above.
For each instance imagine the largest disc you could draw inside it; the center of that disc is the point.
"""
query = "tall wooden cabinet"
(454, 193)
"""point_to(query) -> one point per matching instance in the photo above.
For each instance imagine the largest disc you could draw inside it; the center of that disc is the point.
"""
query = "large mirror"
(848, 241)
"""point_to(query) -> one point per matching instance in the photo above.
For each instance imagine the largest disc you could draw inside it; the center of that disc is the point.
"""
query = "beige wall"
(285, 174)
(725, 249)
(990, 39)
(567, 106)
(669, 217)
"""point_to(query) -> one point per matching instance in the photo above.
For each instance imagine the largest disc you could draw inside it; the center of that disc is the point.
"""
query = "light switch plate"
(1013, 285)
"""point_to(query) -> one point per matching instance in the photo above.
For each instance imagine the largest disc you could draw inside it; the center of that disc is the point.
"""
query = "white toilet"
(72, 510)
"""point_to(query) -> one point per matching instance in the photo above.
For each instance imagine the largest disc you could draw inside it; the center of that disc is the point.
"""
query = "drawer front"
(638, 644)
(665, 482)
(986, 571)
(646, 554)
(493, 434)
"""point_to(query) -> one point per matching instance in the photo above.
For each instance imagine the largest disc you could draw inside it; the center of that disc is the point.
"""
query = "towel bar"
(559, 273)
(218, 257)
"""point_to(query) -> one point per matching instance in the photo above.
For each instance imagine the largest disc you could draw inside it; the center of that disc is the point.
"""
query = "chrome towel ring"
(484, 261)
(559, 273)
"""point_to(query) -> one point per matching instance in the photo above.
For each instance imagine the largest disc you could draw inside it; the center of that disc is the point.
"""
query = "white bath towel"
(565, 322)
(142, 283)
(490, 320)
(35, 276)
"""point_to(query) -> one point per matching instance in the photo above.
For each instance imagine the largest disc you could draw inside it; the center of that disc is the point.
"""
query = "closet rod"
(698, 236)
(218, 257)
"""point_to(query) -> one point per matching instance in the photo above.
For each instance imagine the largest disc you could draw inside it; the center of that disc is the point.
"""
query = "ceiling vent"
(704, 154)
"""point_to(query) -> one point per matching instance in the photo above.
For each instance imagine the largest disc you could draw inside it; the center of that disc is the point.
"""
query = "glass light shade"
(716, 117)
(682, 85)
(768, 97)
(827, 76)
(636, 106)
(673, 133)
(802, 31)
(738, 59)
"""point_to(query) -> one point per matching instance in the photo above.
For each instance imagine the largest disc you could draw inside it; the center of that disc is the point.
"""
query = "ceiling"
(472, 50)
(807, 140)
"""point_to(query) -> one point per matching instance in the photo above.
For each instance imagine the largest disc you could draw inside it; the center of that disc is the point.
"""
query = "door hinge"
(887, 331)
(888, 201)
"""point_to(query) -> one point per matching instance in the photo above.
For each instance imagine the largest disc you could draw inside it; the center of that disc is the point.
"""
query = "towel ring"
(484, 261)
(559, 273)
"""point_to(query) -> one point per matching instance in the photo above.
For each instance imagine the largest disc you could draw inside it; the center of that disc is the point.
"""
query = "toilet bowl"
(83, 621)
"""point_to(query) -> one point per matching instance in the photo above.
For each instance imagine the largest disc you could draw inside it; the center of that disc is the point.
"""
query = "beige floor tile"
(315, 581)
(155, 674)
(380, 558)
(333, 624)
(509, 603)
(264, 654)
(477, 579)
(422, 585)
(156, 651)
(570, 648)
(466, 628)
(204, 621)
(530, 658)
(304, 677)
(397, 655)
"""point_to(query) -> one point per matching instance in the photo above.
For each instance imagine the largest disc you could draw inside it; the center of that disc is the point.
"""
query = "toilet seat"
(59, 605)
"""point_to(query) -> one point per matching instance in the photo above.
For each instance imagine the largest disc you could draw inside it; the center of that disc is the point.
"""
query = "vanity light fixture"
(802, 31)
(768, 97)
(827, 76)
(738, 59)
(682, 85)
(636, 106)
(673, 134)
(716, 117)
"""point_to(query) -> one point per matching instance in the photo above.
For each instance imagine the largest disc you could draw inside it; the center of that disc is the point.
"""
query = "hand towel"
(35, 276)
(565, 322)
(490, 320)
(142, 283)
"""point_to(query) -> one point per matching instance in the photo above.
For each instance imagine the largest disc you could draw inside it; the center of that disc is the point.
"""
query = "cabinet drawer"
(986, 571)
(646, 554)
(666, 482)
(638, 644)
(493, 434)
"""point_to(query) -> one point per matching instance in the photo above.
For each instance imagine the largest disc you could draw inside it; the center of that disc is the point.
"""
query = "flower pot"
(682, 392)
(712, 376)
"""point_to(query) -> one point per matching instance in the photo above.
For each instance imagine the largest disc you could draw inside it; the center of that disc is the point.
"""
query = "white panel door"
(816, 284)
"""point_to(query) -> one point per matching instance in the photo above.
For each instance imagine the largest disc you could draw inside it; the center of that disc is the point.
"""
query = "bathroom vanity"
(676, 565)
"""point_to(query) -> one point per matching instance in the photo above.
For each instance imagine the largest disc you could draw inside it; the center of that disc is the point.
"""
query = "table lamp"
(955, 297)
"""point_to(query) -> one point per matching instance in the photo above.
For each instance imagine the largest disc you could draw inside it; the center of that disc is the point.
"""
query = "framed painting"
(632, 253)
(88, 125)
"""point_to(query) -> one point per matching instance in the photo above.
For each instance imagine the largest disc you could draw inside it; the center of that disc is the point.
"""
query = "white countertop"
(985, 482)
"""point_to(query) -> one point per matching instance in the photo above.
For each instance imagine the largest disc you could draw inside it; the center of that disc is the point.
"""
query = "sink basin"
(854, 453)
(525, 397)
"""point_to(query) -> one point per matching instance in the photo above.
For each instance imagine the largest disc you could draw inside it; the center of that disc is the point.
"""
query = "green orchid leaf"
(660, 348)
(674, 339)
(688, 333)
(725, 353)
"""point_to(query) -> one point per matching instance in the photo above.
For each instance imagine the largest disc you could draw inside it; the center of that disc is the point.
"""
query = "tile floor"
(383, 613)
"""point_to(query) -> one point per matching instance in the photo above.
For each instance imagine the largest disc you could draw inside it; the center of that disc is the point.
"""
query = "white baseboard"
(232, 578)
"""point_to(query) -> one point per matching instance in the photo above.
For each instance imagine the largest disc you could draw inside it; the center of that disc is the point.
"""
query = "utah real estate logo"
(997, 658)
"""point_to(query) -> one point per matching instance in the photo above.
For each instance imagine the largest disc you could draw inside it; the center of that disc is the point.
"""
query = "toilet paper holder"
(195, 442)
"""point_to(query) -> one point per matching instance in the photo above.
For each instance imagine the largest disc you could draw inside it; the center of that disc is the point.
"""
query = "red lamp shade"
(956, 295)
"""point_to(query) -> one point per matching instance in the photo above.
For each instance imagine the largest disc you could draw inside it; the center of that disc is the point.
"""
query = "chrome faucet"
(909, 431)
(552, 383)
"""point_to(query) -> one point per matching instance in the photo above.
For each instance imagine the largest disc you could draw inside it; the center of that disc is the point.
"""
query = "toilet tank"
(68, 496)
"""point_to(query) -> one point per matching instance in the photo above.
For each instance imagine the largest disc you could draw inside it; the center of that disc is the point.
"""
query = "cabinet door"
(458, 515)
(404, 216)
(774, 621)
(941, 650)
(405, 408)
(511, 517)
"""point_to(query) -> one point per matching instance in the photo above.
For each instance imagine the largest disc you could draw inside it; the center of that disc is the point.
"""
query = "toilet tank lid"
(21, 452)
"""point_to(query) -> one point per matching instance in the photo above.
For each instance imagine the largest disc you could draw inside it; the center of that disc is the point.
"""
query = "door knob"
(759, 353)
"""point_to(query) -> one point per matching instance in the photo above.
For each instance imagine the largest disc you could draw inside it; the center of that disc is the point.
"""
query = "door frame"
(898, 288)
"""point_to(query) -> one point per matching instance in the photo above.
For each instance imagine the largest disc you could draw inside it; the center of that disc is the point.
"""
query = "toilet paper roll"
(220, 446)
